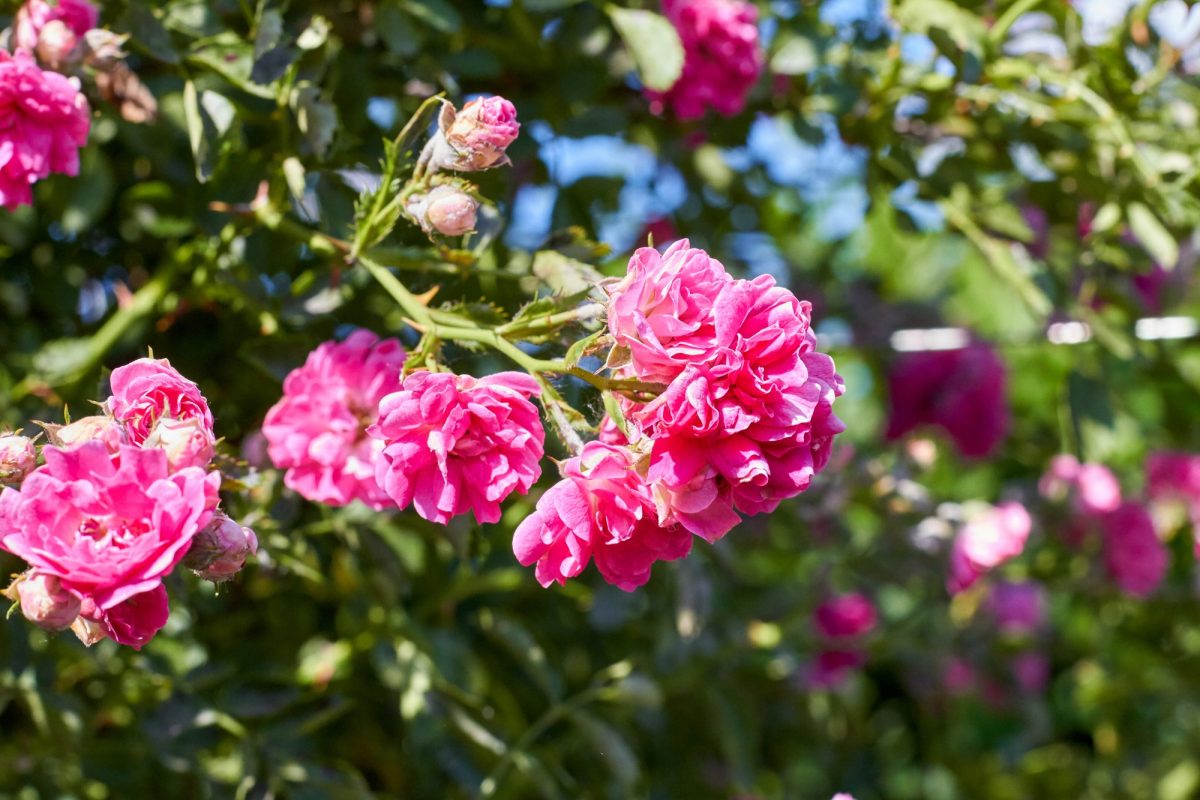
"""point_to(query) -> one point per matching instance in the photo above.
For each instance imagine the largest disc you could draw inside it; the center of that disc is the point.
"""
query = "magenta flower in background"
(1175, 477)
(961, 391)
(845, 616)
(44, 120)
(1017, 607)
(109, 527)
(79, 17)
(1031, 672)
(1092, 488)
(832, 668)
(148, 390)
(1135, 557)
(454, 443)
(318, 429)
(602, 509)
(722, 57)
(985, 542)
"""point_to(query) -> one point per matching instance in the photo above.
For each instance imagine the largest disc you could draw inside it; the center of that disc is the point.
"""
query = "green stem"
(551, 322)
(1000, 29)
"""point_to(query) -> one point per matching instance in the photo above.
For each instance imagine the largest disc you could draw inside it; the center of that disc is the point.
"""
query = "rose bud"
(88, 631)
(472, 139)
(55, 44)
(444, 210)
(187, 442)
(45, 603)
(18, 457)
(86, 429)
(219, 551)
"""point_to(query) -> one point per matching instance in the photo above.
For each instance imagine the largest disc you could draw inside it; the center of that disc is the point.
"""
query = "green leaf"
(796, 55)
(317, 118)
(148, 34)
(564, 275)
(315, 34)
(653, 43)
(584, 346)
(546, 6)
(1153, 235)
(437, 14)
(209, 117)
(965, 29)
(611, 747)
(393, 25)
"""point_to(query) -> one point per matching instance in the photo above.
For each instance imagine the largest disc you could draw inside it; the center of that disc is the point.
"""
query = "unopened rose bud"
(87, 429)
(45, 602)
(56, 43)
(220, 550)
(445, 210)
(18, 457)
(474, 138)
(187, 442)
(88, 631)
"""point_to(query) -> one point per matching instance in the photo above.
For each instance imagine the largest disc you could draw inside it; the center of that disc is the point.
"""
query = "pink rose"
(722, 57)
(663, 310)
(135, 620)
(845, 616)
(473, 138)
(44, 120)
(1133, 553)
(961, 391)
(45, 602)
(318, 429)
(220, 549)
(602, 510)
(987, 541)
(1017, 607)
(147, 390)
(832, 668)
(78, 16)
(1175, 478)
(108, 527)
(1093, 488)
(18, 457)
(454, 443)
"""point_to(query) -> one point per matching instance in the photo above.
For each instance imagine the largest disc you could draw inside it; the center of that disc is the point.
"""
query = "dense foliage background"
(992, 165)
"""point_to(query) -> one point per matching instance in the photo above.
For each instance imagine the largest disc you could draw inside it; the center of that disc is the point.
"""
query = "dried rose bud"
(445, 210)
(220, 550)
(102, 48)
(18, 457)
(45, 602)
(187, 442)
(56, 43)
(474, 138)
(88, 631)
(87, 429)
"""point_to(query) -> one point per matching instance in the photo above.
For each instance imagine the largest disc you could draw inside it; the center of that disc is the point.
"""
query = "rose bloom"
(79, 16)
(845, 616)
(148, 390)
(1093, 488)
(663, 310)
(1135, 557)
(1017, 607)
(134, 621)
(961, 391)
(722, 57)
(602, 509)
(454, 443)
(473, 138)
(44, 120)
(752, 425)
(318, 429)
(1175, 478)
(987, 541)
(98, 427)
(108, 527)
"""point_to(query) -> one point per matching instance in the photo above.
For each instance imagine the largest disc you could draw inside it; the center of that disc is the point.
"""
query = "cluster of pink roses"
(122, 498)
(722, 57)
(349, 427)
(744, 422)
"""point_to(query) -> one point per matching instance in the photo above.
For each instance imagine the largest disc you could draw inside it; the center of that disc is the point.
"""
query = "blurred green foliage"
(375, 655)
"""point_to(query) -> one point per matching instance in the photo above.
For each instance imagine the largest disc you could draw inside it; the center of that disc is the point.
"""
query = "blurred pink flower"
(1017, 607)
(109, 527)
(318, 429)
(44, 120)
(149, 389)
(454, 443)
(959, 677)
(664, 309)
(135, 620)
(1031, 672)
(962, 391)
(833, 667)
(845, 616)
(987, 541)
(1175, 477)
(722, 57)
(79, 17)
(601, 509)
(1093, 488)
(1133, 553)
